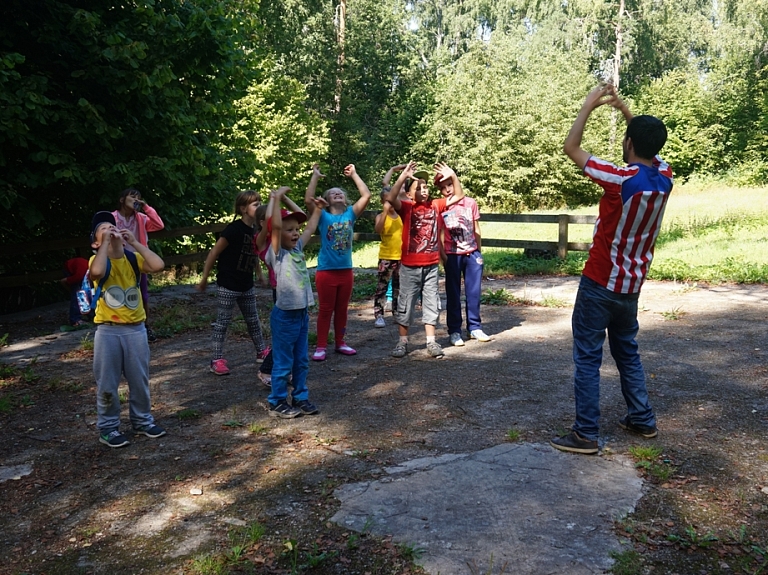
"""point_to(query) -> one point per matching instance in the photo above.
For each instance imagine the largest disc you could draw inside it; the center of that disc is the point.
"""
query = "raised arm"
(391, 172)
(153, 263)
(261, 237)
(365, 193)
(378, 226)
(290, 204)
(446, 172)
(320, 205)
(309, 195)
(603, 94)
(393, 197)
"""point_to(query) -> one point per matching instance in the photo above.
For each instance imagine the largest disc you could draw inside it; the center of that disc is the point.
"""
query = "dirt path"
(78, 507)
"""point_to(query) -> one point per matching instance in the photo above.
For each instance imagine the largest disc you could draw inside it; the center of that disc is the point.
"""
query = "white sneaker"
(479, 335)
(388, 305)
(456, 340)
(379, 322)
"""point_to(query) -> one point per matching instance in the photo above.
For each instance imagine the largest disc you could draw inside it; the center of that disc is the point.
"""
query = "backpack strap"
(133, 260)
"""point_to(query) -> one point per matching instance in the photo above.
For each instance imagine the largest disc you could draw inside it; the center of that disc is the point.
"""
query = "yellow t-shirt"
(120, 301)
(391, 239)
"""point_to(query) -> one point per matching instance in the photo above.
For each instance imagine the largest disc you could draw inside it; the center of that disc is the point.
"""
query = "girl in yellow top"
(390, 227)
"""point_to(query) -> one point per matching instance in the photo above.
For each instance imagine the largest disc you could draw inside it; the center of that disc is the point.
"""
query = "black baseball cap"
(98, 219)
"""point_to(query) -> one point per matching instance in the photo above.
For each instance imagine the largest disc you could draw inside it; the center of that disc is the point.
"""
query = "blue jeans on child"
(471, 267)
(290, 348)
(596, 310)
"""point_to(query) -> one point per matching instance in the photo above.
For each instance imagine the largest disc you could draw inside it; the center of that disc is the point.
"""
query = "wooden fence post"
(562, 236)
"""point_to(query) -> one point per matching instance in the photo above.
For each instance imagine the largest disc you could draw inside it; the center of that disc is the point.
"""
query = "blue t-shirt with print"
(336, 240)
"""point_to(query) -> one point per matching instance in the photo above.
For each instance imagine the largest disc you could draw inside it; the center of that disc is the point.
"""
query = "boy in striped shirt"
(630, 214)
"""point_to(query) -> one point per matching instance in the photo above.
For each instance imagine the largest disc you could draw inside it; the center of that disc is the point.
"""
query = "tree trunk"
(341, 26)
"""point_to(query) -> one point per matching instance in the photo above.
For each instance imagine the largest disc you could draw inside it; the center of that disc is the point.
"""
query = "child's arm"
(98, 266)
(152, 262)
(446, 172)
(277, 218)
(394, 194)
(220, 245)
(378, 227)
(320, 205)
(261, 237)
(291, 205)
(391, 172)
(478, 235)
(309, 195)
(365, 193)
(154, 223)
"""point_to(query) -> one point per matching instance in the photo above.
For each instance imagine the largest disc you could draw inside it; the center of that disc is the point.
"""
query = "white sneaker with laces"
(379, 322)
(456, 340)
(479, 335)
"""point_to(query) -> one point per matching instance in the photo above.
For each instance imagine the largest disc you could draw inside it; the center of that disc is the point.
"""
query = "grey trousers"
(121, 350)
(414, 282)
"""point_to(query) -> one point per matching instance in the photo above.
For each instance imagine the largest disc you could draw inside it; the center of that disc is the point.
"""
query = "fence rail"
(82, 247)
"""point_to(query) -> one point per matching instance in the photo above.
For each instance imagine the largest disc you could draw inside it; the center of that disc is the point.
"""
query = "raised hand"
(321, 203)
(445, 171)
(350, 171)
(316, 171)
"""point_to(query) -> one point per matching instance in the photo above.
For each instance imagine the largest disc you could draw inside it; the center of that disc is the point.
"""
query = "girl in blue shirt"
(334, 276)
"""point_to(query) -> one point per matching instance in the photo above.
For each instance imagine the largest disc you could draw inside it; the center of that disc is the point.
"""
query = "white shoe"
(456, 340)
(379, 322)
(479, 335)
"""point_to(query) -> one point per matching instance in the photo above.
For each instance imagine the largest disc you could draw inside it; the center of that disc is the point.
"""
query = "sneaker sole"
(285, 415)
(315, 412)
(636, 431)
(108, 444)
(148, 435)
(458, 343)
(583, 450)
(219, 372)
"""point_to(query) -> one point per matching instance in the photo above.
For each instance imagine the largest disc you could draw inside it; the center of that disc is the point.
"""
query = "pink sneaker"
(219, 366)
(344, 349)
(319, 354)
(262, 355)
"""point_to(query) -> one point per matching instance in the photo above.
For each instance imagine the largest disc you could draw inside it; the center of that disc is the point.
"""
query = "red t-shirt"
(420, 247)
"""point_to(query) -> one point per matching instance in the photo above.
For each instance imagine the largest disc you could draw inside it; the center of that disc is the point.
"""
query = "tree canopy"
(193, 100)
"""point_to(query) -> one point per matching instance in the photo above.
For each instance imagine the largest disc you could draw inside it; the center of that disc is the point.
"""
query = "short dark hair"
(124, 194)
(648, 135)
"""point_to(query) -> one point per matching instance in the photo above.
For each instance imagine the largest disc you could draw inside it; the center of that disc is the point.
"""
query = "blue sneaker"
(113, 439)
(152, 431)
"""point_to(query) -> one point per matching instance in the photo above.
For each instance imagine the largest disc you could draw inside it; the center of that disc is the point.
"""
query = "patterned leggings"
(387, 269)
(246, 301)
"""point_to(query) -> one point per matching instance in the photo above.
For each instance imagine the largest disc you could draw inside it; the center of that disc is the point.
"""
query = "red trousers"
(334, 288)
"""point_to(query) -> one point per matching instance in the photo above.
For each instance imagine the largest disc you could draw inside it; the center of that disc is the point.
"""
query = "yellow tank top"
(391, 239)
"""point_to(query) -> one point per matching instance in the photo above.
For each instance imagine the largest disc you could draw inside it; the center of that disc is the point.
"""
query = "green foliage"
(627, 562)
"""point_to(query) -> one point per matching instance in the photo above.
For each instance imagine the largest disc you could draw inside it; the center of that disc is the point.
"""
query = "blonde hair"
(327, 194)
(243, 199)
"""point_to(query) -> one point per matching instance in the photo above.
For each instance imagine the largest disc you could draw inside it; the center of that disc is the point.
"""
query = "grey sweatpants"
(121, 350)
(414, 282)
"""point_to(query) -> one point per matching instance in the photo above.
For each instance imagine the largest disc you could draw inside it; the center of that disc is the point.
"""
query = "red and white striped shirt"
(629, 220)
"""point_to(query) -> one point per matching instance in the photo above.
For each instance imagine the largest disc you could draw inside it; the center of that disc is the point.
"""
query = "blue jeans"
(471, 267)
(290, 349)
(595, 311)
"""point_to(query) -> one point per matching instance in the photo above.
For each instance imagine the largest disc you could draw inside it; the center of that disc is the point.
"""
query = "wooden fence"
(82, 247)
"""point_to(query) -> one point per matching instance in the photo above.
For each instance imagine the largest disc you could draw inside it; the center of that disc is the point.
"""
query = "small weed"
(368, 524)
(497, 297)
(6, 406)
(27, 401)
(315, 558)
(258, 429)
(475, 570)
(626, 562)
(89, 532)
(7, 371)
(699, 540)
(325, 440)
(292, 551)
(644, 453)
(122, 395)
(254, 532)
(673, 314)
(513, 434)
(685, 288)
(233, 423)
(235, 553)
(353, 542)
(29, 376)
(4, 339)
(171, 320)
(207, 565)
(410, 552)
(86, 342)
(188, 414)
(179, 478)
(552, 301)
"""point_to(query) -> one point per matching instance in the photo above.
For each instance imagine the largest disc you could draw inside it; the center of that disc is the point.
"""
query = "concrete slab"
(537, 509)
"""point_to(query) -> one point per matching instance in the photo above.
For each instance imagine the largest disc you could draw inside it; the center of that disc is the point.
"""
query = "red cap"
(285, 214)
(439, 179)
